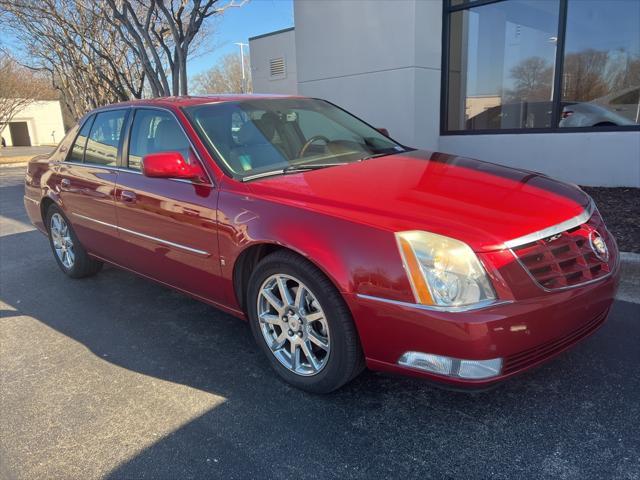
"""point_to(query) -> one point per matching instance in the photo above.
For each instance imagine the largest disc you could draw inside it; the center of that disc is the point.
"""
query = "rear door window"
(77, 151)
(103, 141)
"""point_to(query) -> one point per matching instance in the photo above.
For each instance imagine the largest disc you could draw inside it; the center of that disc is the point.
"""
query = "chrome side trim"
(94, 220)
(81, 164)
(554, 229)
(32, 200)
(129, 170)
(434, 308)
(165, 242)
(143, 235)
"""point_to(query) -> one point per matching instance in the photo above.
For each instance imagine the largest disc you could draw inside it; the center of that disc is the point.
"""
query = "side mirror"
(170, 165)
(383, 131)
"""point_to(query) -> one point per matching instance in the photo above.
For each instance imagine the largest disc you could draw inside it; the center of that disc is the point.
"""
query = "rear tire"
(316, 324)
(69, 253)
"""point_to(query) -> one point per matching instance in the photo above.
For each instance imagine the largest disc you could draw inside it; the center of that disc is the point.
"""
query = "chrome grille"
(568, 258)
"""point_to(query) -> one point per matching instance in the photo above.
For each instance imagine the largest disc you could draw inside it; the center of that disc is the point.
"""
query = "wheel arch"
(249, 258)
(45, 203)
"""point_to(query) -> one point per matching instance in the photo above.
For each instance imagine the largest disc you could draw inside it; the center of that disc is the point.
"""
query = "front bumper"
(524, 333)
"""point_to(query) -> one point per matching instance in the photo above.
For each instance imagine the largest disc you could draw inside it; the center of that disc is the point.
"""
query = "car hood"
(480, 203)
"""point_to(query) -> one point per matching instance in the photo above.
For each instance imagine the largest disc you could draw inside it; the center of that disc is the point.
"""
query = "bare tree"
(162, 33)
(70, 40)
(104, 51)
(584, 75)
(19, 87)
(225, 77)
(624, 71)
(532, 80)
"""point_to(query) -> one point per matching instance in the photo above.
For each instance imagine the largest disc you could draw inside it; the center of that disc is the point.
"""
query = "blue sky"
(238, 25)
(235, 25)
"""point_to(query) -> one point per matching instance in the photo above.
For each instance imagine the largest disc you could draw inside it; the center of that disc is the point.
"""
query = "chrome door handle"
(128, 196)
(65, 183)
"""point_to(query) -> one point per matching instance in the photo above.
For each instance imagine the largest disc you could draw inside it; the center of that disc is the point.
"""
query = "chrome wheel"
(293, 324)
(62, 241)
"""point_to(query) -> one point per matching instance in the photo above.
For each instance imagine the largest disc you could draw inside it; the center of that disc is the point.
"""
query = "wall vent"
(277, 67)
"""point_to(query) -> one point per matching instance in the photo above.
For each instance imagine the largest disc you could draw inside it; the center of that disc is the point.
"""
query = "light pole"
(244, 83)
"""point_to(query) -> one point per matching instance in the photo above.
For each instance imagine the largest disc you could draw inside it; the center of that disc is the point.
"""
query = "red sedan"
(341, 247)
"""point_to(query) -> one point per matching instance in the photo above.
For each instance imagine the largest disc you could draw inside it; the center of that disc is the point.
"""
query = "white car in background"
(590, 115)
(615, 109)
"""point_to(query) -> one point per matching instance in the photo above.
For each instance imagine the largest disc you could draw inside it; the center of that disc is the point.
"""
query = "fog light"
(427, 362)
(452, 367)
(480, 368)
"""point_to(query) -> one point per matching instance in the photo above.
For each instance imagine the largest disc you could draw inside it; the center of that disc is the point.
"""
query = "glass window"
(601, 68)
(263, 135)
(503, 75)
(155, 131)
(77, 151)
(102, 145)
(313, 123)
(501, 65)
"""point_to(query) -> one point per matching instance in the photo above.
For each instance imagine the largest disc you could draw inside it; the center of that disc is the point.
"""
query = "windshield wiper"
(311, 166)
(374, 155)
(292, 169)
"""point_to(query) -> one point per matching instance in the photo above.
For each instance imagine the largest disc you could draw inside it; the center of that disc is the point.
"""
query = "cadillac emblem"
(598, 246)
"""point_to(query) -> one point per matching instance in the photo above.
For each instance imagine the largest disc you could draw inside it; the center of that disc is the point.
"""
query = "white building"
(39, 123)
(501, 84)
(273, 62)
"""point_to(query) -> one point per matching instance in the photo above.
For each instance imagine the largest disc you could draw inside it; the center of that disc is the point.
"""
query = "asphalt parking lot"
(116, 377)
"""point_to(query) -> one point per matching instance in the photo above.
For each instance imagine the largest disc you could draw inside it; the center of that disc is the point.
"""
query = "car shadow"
(12, 210)
(375, 427)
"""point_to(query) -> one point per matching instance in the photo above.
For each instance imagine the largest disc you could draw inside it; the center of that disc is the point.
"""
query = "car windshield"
(279, 135)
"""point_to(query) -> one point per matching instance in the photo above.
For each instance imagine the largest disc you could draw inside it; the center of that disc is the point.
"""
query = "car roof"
(186, 101)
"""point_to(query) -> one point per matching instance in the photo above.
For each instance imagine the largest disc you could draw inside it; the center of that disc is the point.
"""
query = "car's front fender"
(357, 258)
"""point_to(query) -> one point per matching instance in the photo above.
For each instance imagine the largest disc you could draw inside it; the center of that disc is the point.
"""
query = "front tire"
(69, 253)
(302, 324)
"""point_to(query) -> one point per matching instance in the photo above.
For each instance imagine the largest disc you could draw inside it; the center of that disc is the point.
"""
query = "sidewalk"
(16, 155)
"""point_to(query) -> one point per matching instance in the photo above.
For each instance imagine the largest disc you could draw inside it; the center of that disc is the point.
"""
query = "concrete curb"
(630, 257)
(630, 266)
(629, 290)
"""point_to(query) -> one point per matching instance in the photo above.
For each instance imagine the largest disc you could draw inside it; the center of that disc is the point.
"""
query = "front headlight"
(443, 272)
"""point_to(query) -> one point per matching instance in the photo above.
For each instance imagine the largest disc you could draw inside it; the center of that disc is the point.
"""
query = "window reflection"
(601, 77)
(77, 151)
(502, 68)
(155, 131)
(102, 145)
(501, 65)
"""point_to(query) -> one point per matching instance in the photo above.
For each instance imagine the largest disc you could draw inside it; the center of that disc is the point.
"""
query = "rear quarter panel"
(39, 184)
(37, 189)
